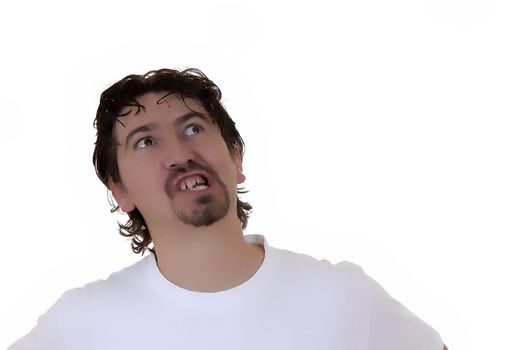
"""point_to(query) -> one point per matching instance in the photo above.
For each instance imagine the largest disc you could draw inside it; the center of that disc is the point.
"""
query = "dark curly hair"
(190, 83)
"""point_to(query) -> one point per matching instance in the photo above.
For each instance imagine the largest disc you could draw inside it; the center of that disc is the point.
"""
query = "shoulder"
(300, 261)
(118, 286)
(344, 278)
(97, 304)
(346, 289)
(78, 309)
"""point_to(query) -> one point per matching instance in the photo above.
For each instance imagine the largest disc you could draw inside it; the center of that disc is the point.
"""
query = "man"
(172, 158)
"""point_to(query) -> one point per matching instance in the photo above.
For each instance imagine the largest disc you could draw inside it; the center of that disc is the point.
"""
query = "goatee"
(207, 208)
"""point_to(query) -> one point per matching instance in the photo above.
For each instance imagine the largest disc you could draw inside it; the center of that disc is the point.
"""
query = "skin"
(197, 236)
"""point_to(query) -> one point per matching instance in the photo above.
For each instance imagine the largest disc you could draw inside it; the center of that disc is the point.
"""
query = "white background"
(387, 133)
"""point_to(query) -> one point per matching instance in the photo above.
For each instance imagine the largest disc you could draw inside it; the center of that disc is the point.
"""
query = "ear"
(238, 161)
(121, 196)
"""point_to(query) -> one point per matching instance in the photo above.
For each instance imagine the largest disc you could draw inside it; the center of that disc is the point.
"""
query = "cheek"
(139, 177)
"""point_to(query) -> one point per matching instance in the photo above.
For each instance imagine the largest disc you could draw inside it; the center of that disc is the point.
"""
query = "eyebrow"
(152, 126)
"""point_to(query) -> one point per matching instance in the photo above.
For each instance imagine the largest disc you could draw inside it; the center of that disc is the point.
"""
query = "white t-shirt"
(293, 301)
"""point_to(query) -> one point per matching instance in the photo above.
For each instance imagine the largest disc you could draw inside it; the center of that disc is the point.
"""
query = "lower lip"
(196, 192)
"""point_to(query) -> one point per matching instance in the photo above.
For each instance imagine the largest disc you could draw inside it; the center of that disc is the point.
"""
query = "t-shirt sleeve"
(393, 327)
(46, 334)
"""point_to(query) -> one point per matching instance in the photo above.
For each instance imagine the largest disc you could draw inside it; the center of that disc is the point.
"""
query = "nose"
(176, 153)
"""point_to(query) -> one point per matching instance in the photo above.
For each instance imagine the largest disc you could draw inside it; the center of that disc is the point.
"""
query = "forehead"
(158, 102)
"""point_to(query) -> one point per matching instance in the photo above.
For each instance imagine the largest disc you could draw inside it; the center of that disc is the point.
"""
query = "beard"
(205, 209)
(209, 209)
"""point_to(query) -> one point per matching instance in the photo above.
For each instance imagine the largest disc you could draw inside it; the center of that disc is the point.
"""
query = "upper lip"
(180, 178)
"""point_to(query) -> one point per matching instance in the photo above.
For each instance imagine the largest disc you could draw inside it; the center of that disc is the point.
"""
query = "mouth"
(194, 182)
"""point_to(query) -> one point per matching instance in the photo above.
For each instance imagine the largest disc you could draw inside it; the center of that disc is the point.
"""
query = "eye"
(192, 130)
(144, 142)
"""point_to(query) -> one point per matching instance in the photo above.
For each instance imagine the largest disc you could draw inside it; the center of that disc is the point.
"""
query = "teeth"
(196, 183)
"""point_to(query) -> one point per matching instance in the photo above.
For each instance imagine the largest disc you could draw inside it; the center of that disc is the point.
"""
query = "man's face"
(174, 164)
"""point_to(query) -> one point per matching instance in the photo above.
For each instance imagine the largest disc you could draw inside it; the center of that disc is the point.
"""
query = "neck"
(206, 259)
